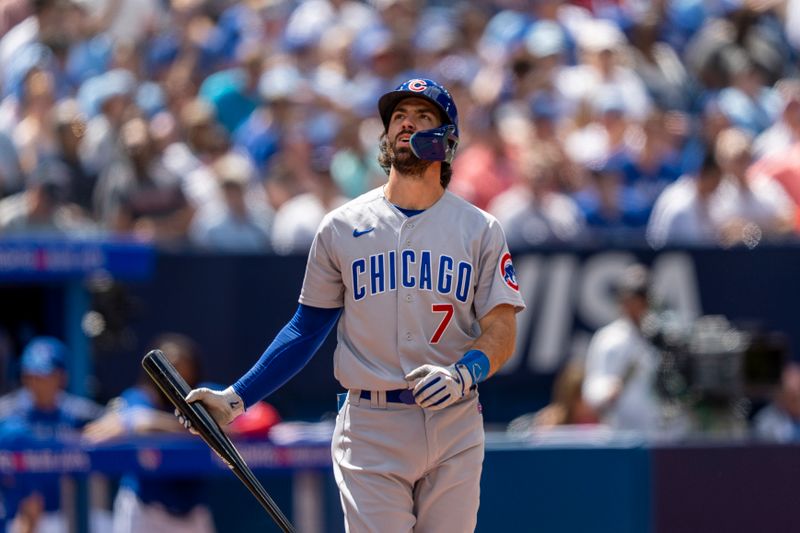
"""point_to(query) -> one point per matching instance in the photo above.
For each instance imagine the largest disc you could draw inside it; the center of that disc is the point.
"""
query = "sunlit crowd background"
(235, 126)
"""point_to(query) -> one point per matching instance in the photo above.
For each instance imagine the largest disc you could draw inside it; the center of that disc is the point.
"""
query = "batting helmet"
(438, 144)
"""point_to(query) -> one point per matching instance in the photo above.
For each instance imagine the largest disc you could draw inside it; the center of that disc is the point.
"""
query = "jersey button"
(409, 298)
(408, 243)
(408, 336)
(411, 226)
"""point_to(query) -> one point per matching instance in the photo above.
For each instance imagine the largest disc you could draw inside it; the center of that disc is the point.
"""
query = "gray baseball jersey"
(412, 289)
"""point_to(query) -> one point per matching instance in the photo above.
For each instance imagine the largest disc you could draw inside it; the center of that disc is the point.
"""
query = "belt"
(405, 396)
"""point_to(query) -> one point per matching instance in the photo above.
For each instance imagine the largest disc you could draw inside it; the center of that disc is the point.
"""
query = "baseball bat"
(175, 389)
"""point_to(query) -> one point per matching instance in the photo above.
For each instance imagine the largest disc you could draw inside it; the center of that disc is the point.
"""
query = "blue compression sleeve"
(291, 350)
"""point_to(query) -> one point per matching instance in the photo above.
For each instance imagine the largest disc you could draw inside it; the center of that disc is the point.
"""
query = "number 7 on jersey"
(448, 310)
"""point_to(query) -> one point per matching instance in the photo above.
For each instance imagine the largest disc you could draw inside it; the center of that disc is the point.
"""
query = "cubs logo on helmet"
(417, 85)
(507, 271)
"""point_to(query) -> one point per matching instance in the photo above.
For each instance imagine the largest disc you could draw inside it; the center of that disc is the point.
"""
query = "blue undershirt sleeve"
(291, 350)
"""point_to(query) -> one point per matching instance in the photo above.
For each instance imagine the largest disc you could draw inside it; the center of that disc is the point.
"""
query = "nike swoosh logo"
(357, 233)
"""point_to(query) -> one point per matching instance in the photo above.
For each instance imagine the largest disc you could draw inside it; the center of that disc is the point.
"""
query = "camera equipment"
(712, 361)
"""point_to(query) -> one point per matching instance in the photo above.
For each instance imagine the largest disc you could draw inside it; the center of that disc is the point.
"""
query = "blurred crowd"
(236, 125)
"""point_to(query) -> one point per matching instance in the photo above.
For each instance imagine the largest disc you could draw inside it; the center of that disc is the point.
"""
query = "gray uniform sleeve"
(496, 283)
(322, 285)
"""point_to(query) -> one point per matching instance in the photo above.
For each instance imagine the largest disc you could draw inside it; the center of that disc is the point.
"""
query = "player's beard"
(408, 164)
(402, 159)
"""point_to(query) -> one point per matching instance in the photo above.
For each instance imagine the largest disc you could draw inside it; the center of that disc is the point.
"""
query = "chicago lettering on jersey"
(411, 269)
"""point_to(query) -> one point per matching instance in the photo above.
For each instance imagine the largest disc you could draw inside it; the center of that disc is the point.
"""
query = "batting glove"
(223, 406)
(436, 387)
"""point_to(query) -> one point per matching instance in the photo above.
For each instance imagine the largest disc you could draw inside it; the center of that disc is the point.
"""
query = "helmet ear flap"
(438, 144)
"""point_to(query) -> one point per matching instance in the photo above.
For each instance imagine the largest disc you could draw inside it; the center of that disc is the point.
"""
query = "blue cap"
(95, 91)
(31, 56)
(505, 31)
(43, 355)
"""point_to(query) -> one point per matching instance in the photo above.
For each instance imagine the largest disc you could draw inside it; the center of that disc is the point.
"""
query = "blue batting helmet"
(426, 145)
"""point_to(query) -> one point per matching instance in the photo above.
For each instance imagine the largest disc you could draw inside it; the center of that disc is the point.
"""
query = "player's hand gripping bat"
(175, 389)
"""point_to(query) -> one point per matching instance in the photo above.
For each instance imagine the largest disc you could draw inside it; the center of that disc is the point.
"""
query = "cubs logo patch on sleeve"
(507, 271)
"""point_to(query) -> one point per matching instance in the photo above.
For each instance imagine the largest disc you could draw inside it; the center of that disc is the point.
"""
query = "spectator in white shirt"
(684, 214)
(621, 364)
(602, 70)
(755, 206)
(192, 154)
(535, 212)
(233, 225)
(786, 130)
(297, 219)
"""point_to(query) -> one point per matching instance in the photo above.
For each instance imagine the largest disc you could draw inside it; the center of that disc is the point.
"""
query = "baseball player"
(423, 288)
(41, 412)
